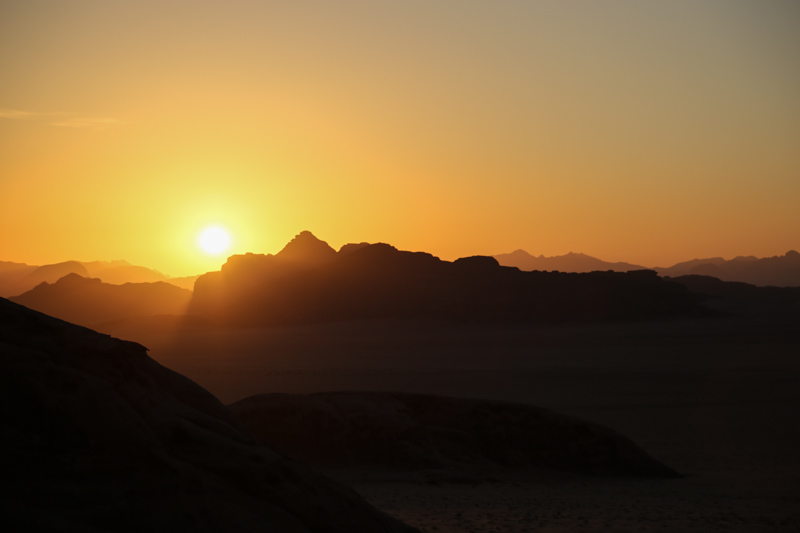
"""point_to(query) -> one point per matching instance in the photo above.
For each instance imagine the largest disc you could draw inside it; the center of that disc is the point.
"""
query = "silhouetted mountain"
(17, 278)
(90, 302)
(570, 262)
(44, 274)
(408, 432)
(99, 437)
(308, 250)
(778, 271)
(377, 280)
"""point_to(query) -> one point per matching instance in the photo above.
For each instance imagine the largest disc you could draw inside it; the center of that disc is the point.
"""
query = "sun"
(214, 240)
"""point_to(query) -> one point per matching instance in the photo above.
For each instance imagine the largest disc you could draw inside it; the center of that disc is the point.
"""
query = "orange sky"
(647, 132)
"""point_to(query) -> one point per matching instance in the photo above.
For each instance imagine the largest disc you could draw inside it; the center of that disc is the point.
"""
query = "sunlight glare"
(214, 240)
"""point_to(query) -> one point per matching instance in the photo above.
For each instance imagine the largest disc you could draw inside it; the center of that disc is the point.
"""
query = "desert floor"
(717, 399)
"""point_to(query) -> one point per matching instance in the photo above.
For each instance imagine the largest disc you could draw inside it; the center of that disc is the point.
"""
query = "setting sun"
(214, 240)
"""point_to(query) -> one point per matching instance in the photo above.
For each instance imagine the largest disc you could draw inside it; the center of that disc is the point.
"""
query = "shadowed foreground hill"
(401, 431)
(309, 282)
(96, 436)
(90, 302)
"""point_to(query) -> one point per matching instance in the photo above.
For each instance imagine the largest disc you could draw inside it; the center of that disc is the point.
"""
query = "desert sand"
(715, 399)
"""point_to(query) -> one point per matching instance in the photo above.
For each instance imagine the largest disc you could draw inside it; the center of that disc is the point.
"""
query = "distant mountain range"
(308, 281)
(778, 271)
(90, 302)
(17, 278)
(570, 262)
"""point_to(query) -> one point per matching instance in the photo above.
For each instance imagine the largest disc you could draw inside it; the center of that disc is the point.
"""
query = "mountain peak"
(306, 248)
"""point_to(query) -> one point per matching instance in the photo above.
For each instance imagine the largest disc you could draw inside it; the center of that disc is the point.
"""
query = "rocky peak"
(306, 248)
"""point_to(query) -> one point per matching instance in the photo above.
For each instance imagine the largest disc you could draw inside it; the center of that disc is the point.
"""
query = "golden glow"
(455, 129)
(214, 240)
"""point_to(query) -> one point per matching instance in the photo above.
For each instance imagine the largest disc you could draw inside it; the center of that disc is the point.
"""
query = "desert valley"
(452, 396)
(419, 266)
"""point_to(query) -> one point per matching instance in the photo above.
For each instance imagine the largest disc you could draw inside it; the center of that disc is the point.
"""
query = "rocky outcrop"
(305, 248)
(380, 281)
(90, 302)
(415, 431)
(96, 436)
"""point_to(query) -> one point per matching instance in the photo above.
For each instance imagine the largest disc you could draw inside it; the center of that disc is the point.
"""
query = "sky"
(642, 131)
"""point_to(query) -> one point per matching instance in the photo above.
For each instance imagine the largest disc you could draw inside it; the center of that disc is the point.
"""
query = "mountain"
(377, 280)
(17, 278)
(306, 249)
(570, 262)
(41, 274)
(99, 437)
(778, 271)
(90, 302)
(412, 432)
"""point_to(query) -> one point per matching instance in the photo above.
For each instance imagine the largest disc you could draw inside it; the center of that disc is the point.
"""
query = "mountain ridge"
(90, 302)
(378, 280)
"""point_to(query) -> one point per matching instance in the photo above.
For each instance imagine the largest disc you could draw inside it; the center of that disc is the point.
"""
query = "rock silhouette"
(401, 431)
(99, 437)
(90, 302)
(378, 281)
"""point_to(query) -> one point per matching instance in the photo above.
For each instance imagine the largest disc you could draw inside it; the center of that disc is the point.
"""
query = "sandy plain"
(716, 399)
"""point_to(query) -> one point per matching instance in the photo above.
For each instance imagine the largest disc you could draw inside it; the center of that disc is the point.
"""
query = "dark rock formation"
(414, 431)
(307, 249)
(377, 280)
(96, 436)
(89, 302)
(571, 262)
